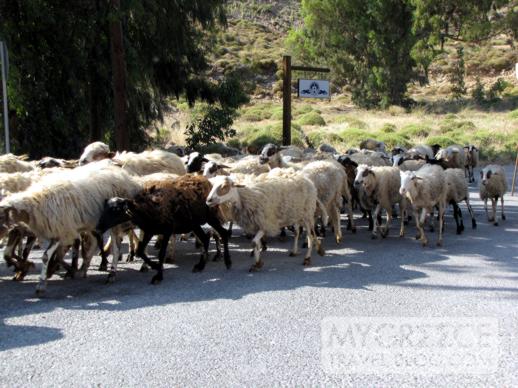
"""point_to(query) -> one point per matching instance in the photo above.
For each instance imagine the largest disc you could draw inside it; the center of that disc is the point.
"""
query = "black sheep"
(166, 208)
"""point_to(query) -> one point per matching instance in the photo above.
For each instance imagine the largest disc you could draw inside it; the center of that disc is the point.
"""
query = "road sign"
(314, 88)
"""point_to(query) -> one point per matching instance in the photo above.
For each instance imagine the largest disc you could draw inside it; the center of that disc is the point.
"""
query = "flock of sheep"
(73, 205)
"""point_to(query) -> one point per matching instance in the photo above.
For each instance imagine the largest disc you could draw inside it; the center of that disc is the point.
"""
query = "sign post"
(286, 93)
(3, 58)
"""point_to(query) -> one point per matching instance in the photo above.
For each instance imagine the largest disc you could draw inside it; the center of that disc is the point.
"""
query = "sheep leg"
(420, 218)
(402, 210)
(13, 239)
(470, 209)
(385, 230)
(88, 250)
(133, 241)
(295, 250)
(350, 217)
(441, 222)
(171, 249)
(75, 259)
(377, 221)
(335, 222)
(502, 203)
(225, 235)
(42, 284)
(116, 248)
(256, 243)
(493, 205)
(456, 213)
(159, 276)
(371, 221)
(485, 208)
(25, 265)
(217, 241)
(104, 260)
(141, 251)
(198, 231)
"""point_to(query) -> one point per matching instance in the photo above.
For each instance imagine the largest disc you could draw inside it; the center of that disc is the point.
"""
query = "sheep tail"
(325, 216)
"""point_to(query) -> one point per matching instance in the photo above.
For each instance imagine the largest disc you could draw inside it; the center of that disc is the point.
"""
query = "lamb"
(378, 188)
(61, 206)
(373, 145)
(269, 204)
(425, 189)
(457, 191)
(167, 208)
(150, 162)
(451, 157)
(94, 152)
(493, 185)
(472, 156)
(330, 180)
(13, 163)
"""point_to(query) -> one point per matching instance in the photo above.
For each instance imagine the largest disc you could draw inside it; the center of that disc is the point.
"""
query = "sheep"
(378, 188)
(472, 156)
(425, 189)
(493, 185)
(451, 157)
(457, 191)
(265, 206)
(373, 145)
(61, 206)
(370, 158)
(327, 148)
(94, 152)
(149, 162)
(50, 162)
(249, 165)
(12, 163)
(272, 156)
(167, 208)
(211, 169)
(416, 153)
(330, 180)
(195, 162)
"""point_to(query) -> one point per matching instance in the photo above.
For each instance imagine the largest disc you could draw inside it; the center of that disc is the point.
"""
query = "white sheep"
(370, 158)
(94, 152)
(150, 162)
(378, 188)
(249, 165)
(13, 163)
(451, 157)
(457, 191)
(61, 206)
(425, 189)
(330, 179)
(472, 156)
(269, 204)
(493, 185)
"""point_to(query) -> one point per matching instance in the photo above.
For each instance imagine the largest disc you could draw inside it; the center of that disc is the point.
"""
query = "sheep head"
(211, 169)
(365, 179)
(195, 162)
(116, 211)
(486, 175)
(409, 181)
(224, 189)
(271, 155)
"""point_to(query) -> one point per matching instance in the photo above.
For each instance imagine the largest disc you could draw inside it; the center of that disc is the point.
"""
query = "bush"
(513, 114)
(256, 114)
(496, 89)
(354, 136)
(260, 136)
(322, 136)
(276, 114)
(443, 141)
(415, 130)
(352, 122)
(311, 118)
(388, 128)
(456, 125)
(393, 139)
(302, 109)
(478, 92)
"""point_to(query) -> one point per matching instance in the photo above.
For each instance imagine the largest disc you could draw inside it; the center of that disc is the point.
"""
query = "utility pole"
(119, 79)
(3, 58)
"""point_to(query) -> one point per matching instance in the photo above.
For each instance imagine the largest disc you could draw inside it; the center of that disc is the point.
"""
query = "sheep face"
(408, 183)
(268, 152)
(95, 151)
(211, 169)
(116, 211)
(195, 162)
(485, 175)
(223, 190)
(365, 178)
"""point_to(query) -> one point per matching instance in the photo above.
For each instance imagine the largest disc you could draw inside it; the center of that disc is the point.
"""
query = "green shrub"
(260, 136)
(276, 114)
(234, 143)
(415, 130)
(322, 136)
(453, 125)
(351, 122)
(443, 141)
(354, 136)
(311, 118)
(393, 139)
(388, 128)
(302, 109)
(513, 114)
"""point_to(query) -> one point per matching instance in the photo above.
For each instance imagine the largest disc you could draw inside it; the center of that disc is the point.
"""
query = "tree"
(458, 87)
(60, 84)
(368, 44)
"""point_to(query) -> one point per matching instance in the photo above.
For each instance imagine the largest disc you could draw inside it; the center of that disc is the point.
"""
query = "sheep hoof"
(473, 224)
(503, 217)
(401, 235)
(130, 258)
(495, 224)
(417, 236)
(353, 229)
(321, 251)
(338, 239)
(307, 261)
(103, 267)
(256, 267)
(459, 230)
(70, 274)
(228, 262)
(40, 289)
(293, 254)
(424, 243)
(144, 268)
(156, 279)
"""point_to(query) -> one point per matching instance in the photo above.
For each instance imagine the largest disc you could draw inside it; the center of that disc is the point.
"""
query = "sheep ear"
(205, 160)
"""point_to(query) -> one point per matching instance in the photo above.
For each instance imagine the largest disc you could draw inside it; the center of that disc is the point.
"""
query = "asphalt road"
(233, 328)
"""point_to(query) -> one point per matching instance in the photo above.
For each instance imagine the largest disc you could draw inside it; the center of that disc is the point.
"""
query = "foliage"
(60, 81)
(311, 118)
(458, 87)
(212, 122)
(478, 92)
(496, 90)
